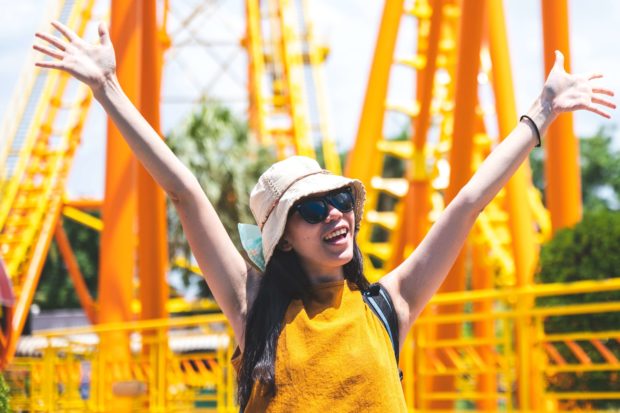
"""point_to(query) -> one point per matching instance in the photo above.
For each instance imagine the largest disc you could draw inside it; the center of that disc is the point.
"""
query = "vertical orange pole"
(152, 247)
(524, 246)
(152, 237)
(417, 201)
(415, 221)
(520, 217)
(561, 147)
(360, 163)
(461, 155)
(118, 239)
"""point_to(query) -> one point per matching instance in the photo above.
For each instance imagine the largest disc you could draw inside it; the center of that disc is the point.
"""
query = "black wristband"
(533, 124)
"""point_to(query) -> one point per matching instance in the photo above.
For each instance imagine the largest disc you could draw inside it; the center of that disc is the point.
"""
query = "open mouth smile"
(336, 235)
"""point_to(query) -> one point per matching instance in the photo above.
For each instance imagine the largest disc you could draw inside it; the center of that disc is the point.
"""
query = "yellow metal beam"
(83, 218)
(360, 163)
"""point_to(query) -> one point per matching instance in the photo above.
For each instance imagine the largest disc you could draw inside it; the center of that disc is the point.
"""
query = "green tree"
(55, 289)
(600, 171)
(586, 252)
(215, 146)
(5, 393)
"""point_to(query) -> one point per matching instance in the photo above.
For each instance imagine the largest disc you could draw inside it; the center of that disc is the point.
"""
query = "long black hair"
(283, 280)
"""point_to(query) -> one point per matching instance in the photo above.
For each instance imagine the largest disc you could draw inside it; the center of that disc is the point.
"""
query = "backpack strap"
(379, 301)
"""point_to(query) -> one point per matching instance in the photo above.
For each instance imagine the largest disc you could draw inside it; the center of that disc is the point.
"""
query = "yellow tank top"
(333, 355)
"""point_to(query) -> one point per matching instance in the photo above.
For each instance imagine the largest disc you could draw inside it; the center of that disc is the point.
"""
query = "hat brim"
(274, 227)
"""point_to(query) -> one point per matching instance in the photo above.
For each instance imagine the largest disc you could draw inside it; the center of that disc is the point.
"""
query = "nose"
(333, 213)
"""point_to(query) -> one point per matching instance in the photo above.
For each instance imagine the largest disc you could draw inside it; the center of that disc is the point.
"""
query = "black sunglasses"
(314, 209)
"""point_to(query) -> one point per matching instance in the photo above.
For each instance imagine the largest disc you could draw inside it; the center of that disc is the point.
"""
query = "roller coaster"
(478, 347)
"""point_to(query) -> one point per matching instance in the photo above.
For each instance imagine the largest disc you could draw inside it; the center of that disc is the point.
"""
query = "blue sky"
(350, 27)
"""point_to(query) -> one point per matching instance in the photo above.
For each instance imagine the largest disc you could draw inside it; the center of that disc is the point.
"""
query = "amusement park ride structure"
(482, 345)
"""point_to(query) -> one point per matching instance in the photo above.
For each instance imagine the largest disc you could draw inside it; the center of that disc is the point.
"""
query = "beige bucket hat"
(286, 182)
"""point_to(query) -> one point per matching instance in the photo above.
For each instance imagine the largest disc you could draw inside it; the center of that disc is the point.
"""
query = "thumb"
(559, 60)
(104, 35)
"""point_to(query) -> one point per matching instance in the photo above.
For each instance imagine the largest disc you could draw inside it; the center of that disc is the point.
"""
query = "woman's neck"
(323, 275)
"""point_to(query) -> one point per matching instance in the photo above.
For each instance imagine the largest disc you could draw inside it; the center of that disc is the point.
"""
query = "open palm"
(89, 63)
(565, 92)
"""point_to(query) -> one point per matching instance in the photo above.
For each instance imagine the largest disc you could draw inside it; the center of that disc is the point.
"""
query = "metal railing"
(542, 348)
(75, 374)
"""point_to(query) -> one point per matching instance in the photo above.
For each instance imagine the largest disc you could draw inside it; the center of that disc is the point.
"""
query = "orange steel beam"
(74, 272)
(84, 203)
(359, 162)
(525, 250)
(119, 206)
(417, 200)
(561, 146)
(579, 352)
(520, 220)
(118, 239)
(152, 245)
(415, 221)
(604, 351)
(461, 154)
(554, 354)
(152, 236)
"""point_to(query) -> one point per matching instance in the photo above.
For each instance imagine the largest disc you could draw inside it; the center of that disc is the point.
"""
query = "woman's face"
(323, 248)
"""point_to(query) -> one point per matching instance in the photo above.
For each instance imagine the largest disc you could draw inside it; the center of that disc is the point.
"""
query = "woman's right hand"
(92, 64)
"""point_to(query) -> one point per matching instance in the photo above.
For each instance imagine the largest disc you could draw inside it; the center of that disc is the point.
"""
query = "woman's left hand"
(565, 92)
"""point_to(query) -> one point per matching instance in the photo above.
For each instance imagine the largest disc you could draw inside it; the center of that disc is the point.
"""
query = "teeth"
(335, 234)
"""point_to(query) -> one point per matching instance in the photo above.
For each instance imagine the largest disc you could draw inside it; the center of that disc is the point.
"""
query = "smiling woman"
(307, 341)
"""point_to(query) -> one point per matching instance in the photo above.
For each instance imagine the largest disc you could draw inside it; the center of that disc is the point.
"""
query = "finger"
(52, 40)
(603, 91)
(57, 54)
(104, 35)
(595, 76)
(598, 111)
(559, 60)
(50, 64)
(67, 32)
(604, 102)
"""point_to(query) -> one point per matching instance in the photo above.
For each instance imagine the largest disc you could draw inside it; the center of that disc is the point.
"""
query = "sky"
(350, 28)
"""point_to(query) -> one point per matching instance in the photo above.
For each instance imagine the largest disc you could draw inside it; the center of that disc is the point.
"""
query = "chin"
(345, 257)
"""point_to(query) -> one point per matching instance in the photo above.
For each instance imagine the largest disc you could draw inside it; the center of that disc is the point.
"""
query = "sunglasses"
(314, 209)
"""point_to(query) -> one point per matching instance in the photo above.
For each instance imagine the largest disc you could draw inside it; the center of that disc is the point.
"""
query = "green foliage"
(55, 289)
(586, 252)
(216, 147)
(600, 171)
(5, 392)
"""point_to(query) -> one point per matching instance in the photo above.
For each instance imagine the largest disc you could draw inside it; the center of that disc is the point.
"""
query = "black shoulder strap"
(379, 301)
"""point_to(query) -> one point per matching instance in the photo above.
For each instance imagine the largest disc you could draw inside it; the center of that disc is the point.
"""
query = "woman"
(307, 342)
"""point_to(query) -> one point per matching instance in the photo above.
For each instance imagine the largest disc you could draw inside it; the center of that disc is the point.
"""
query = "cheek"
(296, 232)
(350, 217)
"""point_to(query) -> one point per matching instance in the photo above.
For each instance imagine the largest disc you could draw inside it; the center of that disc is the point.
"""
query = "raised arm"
(413, 283)
(225, 270)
